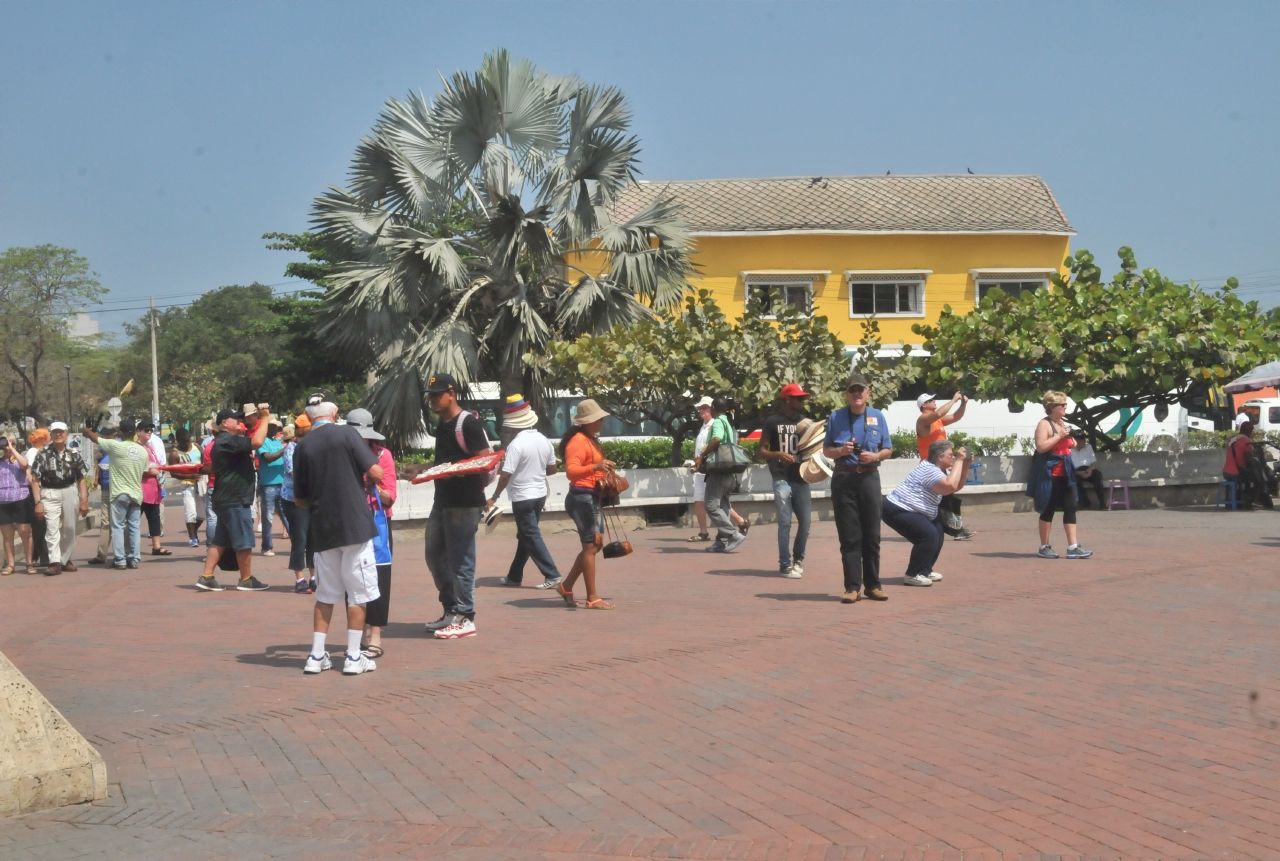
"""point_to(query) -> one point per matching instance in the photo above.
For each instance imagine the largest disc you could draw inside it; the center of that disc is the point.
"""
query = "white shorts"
(699, 487)
(348, 571)
(189, 493)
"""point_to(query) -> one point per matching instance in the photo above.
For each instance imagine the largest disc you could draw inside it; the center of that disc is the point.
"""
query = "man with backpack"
(455, 515)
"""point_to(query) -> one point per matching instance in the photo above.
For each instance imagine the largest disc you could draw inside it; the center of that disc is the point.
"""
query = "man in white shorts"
(329, 469)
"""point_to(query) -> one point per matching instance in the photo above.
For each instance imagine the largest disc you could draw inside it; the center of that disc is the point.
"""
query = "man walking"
(779, 445)
(102, 476)
(329, 467)
(857, 439)
(129, 463)
(720, 483)
(455, 516)
(231, 463)
(528, 460)
(185, 451)
(930, 427)
(58, 484)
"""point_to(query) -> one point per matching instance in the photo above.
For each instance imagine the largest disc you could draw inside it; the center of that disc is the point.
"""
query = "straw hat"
(816, 469)
(588, 412)
(811, 438)
(518, 415)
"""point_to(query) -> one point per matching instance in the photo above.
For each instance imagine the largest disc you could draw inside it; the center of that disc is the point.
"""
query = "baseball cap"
(128, 426)
(924, 399)
(856, 380)
(793, 390)
(442, 383)
(58, 426)
(146, 425)
(362, 421)
(705, 402)
(223, 415)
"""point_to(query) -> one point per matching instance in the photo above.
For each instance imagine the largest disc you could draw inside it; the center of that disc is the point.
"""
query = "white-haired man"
(329, 466)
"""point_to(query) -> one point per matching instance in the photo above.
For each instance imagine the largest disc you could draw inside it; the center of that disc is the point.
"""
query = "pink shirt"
(150, 484)
(388, 482)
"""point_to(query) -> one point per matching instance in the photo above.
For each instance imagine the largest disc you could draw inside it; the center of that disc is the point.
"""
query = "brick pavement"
(1022, 708)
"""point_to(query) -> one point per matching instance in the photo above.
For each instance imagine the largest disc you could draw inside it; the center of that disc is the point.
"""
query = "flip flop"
(372, 651)
(161, 552)
(599, 604)
(566, 596)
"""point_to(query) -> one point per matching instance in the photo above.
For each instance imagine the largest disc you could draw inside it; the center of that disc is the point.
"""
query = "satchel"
(727, 457)
(619, 545)
(381, 541)
(611, 484)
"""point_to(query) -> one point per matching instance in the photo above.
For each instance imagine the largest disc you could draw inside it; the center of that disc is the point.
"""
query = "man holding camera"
(231, 464)
(857, 439)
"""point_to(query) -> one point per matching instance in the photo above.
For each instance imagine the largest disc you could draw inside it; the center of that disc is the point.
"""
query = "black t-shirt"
(465, 491)
(779, 434)
(328, 472)
(232, 459)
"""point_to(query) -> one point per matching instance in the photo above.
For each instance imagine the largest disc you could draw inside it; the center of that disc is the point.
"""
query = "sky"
(161, 140)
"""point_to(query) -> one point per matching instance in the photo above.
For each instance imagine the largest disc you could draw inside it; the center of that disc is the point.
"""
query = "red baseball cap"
(793, 390)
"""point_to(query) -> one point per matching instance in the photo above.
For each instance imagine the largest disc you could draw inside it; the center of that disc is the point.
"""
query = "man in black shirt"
(779, 444)
(329, 467)
(231, 464)
(455, 516)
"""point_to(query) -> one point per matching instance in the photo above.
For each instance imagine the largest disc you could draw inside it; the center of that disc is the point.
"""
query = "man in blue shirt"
(858, 440)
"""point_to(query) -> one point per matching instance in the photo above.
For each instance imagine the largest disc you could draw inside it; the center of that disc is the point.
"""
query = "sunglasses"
(853, 390)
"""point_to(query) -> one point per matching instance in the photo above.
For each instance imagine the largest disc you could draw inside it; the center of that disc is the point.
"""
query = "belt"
(860, 470)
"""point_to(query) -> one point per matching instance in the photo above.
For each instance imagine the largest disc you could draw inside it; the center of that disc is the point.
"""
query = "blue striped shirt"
(915, 493)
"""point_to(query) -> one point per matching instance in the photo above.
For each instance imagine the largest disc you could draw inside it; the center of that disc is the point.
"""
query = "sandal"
(372, 651)
(599, 604)
(161, 552)
(6, 571)
(567, 596)
(701, 536)
(746, 525)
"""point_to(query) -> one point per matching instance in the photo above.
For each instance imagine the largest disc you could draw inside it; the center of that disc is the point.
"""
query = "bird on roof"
(970, 170)
(886, 173)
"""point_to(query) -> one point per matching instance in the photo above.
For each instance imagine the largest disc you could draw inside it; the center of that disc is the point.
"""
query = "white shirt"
(1240, 419)
(157, 446)
(704, 436)
(526, 461)
(1083, 456)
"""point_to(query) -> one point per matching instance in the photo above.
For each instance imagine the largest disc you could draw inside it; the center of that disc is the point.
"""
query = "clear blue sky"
(162, 139)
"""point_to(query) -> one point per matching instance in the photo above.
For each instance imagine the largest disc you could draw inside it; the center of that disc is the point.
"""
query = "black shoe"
(132, 563)
(252, 584)
(209, 584)
(313, 584)
(115, 567)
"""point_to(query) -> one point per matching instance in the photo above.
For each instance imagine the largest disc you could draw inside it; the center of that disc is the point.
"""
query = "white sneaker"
(357, 665)
(799, 568)
(317, 665)
(792, 572)
(935, 576)
(918, 580)
(463, 627)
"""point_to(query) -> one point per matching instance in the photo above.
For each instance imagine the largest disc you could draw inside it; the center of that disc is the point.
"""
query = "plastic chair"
(1111, 497)
(1227, 496)
(973, 473)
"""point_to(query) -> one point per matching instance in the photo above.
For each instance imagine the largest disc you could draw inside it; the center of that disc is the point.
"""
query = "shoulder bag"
(618, 545)
(492, 475)
(728, 455)
(381, 541)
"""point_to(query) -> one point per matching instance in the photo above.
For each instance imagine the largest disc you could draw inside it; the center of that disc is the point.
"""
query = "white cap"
(924, 399)
(705, 402)
(58, 426)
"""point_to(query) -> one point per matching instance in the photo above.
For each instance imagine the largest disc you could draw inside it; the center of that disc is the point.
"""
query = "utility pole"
(70, 421)
(155, 376)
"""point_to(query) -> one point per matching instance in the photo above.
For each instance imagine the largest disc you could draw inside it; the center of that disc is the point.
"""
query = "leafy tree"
(886, 375)
(40, 288)
(1138, 341)
(477, 227)
(191, 394)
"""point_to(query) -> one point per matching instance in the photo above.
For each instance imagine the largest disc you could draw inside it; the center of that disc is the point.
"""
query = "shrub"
(904, 444)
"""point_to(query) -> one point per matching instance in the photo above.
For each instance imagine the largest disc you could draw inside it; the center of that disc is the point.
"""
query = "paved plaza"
(1120, 707)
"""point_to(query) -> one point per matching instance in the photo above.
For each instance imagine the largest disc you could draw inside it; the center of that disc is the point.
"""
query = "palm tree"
(478, 226)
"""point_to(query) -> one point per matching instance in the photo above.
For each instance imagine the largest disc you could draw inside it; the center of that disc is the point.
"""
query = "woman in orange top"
(931, 427)
(584, 463)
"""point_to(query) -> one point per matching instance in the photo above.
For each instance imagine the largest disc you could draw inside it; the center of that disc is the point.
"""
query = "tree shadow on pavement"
(1006, 555)
(552, 601)
(797, 596)
(290, 657)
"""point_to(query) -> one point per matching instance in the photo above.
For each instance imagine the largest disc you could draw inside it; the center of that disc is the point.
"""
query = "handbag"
(611, 484)
(381, 541)
(619, 546)
(728, 456)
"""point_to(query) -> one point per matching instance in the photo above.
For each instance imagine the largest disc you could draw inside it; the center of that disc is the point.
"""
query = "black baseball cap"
(147, 425)
(856, 380)
(442, 383)
(128, 426)
(223, 415)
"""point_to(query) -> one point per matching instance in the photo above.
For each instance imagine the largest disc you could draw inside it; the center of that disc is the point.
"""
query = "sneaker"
(735, 543)
(252, 584)
(965, 535)
(507, 581)
(798, 565)
(312, 584)
(917, 580)
(463, 627)
(357, 664)
(1075, 551)
(207, 584)
(302, 587)
(850, 598)
(268, 553)
(935, 576)
(317, 665)
(194, 542)
(116, 566)
(791, 572)
(132, 563)
(443, 622)
(53, 570)
(549, 584)
(1046, 552)
(716, 547)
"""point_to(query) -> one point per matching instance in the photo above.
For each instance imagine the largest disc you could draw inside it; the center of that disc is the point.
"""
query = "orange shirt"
(580, 457)
(935, 433)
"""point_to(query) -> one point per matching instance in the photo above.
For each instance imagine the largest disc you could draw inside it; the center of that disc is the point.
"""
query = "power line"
(103, 304)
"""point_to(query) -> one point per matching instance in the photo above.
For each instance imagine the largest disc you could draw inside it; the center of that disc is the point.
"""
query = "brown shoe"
(69, 567)
(53, 570)
(877, 595)
(849, 598)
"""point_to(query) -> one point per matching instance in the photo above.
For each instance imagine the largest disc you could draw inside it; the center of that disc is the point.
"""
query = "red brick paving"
(1020, 709)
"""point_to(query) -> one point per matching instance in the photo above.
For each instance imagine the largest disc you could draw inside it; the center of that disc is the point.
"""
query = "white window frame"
(780, 279)
(1007, 276)
(917, 277)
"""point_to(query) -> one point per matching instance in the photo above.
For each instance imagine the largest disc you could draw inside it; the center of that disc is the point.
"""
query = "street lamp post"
(22, 421)
(70, 422)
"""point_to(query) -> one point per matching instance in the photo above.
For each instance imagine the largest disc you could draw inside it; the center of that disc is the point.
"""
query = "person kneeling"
(911, 508)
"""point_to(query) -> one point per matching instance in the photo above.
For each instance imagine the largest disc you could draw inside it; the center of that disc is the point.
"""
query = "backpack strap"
(462, 442)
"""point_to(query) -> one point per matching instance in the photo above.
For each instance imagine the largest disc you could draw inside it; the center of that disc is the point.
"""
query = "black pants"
(298, 520)
(155, 524)
(925, 535)
(855, 500)
(39, 550)
(1095, 478)
(1064, 497)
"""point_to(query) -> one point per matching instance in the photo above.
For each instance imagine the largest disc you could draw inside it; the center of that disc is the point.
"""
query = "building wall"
(722, 259)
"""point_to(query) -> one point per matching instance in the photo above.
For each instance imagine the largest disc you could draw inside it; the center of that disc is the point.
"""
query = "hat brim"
(587, 419)
(816, 469)
(521, 421)
(368, 433)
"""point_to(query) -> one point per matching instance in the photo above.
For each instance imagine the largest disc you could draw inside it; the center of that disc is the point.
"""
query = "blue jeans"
(789, 496)
(126, 523)
(269, 494)
(529, 543)
(451, 557)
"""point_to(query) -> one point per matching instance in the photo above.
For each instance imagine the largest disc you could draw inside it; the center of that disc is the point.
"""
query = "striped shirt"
(915, 493)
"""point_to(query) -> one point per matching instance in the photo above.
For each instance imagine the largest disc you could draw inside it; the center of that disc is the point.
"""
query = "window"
(885, 297)
(771, 297)
(1011, 288)
(1273, 416)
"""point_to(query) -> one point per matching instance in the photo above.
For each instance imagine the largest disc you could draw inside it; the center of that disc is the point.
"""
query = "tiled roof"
(872, 204)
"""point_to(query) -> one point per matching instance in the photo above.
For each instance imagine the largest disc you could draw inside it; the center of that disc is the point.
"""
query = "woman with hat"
(1053, 481)
(381, 494)
(585, 463)
(528, 458)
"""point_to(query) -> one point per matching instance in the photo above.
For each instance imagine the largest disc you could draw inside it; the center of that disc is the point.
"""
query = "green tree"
(886, 375)
(1138, 341)
(477, 228)
(191, 394)
(40, 288)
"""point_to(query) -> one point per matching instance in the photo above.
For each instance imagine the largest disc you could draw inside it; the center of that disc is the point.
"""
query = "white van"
(1263, 412)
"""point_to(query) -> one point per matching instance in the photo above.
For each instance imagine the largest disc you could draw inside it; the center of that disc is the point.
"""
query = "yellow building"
(845, 247)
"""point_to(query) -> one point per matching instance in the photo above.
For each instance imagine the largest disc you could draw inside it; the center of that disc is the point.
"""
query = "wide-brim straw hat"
(811, 439)
(816, 469)
(588, 412)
